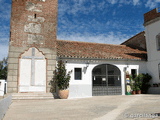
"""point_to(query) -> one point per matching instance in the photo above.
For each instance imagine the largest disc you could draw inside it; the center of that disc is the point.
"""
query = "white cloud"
(152, 3)
(108, 38)
(4, 34)
(3, 51)
(5, 10)
(75, 6)
(4, 27)
(125, 2)
(113, 1)
(136, 2)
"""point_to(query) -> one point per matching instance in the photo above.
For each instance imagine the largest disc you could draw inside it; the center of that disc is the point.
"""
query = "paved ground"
(132, 107)
(1, 97)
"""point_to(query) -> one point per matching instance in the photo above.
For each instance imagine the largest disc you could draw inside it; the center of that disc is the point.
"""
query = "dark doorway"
(106, 80)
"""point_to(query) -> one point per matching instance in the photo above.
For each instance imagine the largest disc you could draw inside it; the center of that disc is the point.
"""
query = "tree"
(3, 69)
(61, 76)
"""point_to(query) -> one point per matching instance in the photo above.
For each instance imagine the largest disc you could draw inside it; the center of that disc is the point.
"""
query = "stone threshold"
(32, 96)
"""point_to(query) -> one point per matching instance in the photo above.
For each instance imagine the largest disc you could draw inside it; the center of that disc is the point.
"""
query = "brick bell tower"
(32, 48)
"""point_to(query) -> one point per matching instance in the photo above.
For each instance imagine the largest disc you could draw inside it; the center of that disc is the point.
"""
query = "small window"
(35, 16)
(78, 74)
(158, 42)
(159, 69)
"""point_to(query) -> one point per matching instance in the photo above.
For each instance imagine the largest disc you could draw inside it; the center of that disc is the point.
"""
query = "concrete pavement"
(131, 107)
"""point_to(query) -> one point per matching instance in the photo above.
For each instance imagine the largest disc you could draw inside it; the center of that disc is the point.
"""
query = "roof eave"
(100, 59)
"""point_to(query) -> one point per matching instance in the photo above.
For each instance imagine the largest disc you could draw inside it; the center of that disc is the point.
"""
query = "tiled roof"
(137, 42)
(75, 49)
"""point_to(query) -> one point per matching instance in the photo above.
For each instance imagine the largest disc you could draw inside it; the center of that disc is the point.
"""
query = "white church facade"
(107, 65)
(98, 69)
(97, 72)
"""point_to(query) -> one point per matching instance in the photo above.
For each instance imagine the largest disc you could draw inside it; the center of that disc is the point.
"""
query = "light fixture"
(85, 68)
(87, 64)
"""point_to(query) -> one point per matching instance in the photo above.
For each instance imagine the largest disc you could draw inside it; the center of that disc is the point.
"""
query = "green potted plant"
(133, 90)
(62, 78)
(133, 87)
(140, 83)
(138, 90)
(136, 83)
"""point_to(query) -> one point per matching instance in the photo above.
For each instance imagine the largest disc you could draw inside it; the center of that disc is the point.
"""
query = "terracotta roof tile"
(137, 42)
(76, 49)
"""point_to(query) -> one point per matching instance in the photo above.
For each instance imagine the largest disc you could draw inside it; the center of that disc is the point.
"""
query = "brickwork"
(33, 24)
(33, 20)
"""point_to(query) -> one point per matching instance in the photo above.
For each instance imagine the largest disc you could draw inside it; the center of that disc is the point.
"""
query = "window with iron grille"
(78, 73)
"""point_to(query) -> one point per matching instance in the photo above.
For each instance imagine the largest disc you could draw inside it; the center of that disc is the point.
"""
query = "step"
(32, 96)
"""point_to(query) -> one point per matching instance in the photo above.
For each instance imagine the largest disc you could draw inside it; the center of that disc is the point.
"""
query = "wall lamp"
(85, 68)
(87, 64)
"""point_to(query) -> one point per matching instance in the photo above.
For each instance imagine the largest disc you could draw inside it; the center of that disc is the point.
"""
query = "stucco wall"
(152, 30)
(83, 88)
(153, 70)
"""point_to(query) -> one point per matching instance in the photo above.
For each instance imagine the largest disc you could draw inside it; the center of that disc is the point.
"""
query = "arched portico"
(106, 80)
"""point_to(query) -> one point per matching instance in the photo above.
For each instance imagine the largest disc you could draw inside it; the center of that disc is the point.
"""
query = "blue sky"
(101, 21)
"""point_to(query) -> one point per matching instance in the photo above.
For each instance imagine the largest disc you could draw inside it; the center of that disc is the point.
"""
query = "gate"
(106, 80)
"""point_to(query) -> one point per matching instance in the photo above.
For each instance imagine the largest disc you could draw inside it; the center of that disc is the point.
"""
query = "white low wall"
(2, 87)
(4, 105)
(80, 91)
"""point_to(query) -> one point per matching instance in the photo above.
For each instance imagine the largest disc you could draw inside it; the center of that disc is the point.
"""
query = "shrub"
(140, 82)
(61, 77)
(3, 69)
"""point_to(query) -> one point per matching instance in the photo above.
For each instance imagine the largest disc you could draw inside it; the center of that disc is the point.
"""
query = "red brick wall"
(19, 19)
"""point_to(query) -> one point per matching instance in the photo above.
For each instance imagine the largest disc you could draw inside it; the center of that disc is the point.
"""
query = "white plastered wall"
(83, 88)
(151, 31)
(2, 87)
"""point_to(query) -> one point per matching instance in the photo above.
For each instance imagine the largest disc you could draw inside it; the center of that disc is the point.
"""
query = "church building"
(98, 69)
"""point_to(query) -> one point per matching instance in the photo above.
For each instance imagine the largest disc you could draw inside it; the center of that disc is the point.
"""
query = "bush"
(3, 69)
(146, 85)
(140, 82)
(61, 77)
